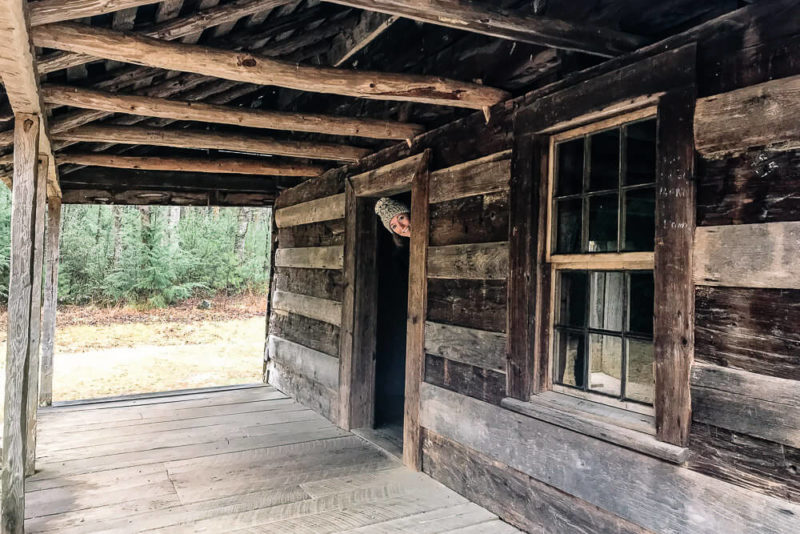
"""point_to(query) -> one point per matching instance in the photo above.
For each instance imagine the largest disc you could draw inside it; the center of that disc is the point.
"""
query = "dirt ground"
(114, 351)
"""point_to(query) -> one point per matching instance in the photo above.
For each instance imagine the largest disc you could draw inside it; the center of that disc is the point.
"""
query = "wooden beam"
(481, 261)
(223, 165)
(26, 149)
(159, 197)
(763, 115)
(132, 135)
(349, 42)
(249, 68)
(388, 180)
(202, 112)
(52, 248)
(47, 11)
(325, 310)
(320, 209)
(501, 23)
(310, 257)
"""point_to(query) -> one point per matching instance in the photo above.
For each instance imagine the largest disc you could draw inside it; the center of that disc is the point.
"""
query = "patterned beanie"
(386, 209)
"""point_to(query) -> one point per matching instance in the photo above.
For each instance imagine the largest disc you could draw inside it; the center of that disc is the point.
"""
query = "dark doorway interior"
(390, 353)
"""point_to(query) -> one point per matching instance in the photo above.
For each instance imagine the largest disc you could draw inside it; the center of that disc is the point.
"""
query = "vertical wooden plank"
(26, 146)
(273, 247)
(32, 400)
(417, 311)
(674, 289)
(52, 247)
(357, 331)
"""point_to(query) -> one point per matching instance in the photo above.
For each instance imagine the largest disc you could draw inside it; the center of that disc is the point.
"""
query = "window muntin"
(604, 194)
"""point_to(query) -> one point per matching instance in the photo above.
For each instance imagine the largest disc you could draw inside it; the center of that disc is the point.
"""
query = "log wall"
(739, 472)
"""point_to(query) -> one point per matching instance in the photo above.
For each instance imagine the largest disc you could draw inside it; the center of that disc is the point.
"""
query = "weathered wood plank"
(748, 255)
(304, 390)
(161, 197)
(48, 11)
(51, 248)
(482, 384)
(514, 496)
(329, 311)
(549, 453)
(762, 115)
(314, 334)
(758, 387)
(320, 283)
(755, 187)
(320, 234)
(309, 363)
(310, 257)
(484, 261)
(489, 174)
(328, 184)
(750, 329)
(23, 213)
(673, 316)
(478, 348)
(387, 180)
(321, 209)
(349, 42)
(475, 219)
(477, 304)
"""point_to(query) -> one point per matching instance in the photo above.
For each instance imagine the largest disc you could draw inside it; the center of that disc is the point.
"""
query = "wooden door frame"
(359, 317)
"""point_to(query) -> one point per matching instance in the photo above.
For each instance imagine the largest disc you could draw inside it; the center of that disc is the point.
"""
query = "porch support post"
(51, 248)
(32, 400)
(26, 148)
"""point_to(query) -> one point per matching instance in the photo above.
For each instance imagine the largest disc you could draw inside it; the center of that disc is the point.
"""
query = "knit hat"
(386, 208)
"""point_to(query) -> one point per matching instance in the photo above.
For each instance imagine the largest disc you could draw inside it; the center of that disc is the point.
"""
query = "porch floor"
(236, 460)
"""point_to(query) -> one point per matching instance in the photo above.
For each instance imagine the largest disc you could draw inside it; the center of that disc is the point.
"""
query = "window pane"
(570, 167)
(640, 385)
(640, 219)
(641, 152)
(569, 359)
(603, 211)
(605, 364)
(606, 300)
(572, 310)
(568, 225)
(604, 160)
(640, 298)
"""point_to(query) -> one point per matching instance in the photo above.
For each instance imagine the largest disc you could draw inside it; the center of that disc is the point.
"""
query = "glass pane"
(640, 385)
(568, 225)
(605, 364)
(569, 359)
(640, 298)
(603, 211)
(572, 308)
(604, 160)
(606, 300)
(570, 167)
(641, 152)
(640, 219)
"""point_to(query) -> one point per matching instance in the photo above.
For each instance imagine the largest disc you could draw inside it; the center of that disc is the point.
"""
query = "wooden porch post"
(32, 400)
(50, 300)
(26, 148)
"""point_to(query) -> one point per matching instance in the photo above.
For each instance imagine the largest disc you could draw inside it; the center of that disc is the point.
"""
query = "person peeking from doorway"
(395, 216)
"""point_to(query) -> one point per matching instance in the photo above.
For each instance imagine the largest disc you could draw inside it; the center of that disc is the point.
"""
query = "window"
(600, 246)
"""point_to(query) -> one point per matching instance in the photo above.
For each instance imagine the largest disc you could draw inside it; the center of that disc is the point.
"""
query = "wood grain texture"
(475, 382)
(478, 348)
(489, 174)
(472, 303)
(329, 311)
(673, 315)
(310, 257)
(52, 248)
(134, 135)
(748, 255)
(349, 42)
(756, 386)
(262, 70)
(23, 212)
(304, 390)
(484, 261)
(750, 329)
(314, 334)
(645, 496)
(329, 184)
(475, 219)
(202, 112)
(319, 234)
(48, 11)
(320, 209)
(762, 115)
(755, 187)
(307, 362)
(516, 497)
(320, 283)
(160, 197)
(387, 180)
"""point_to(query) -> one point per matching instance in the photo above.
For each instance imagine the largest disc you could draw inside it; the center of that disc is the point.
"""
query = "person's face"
(401, 224)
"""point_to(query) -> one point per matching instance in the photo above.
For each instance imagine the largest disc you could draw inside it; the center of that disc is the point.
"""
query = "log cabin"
(595, 325)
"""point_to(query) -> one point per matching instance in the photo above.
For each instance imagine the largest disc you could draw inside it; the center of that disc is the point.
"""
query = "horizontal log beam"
(250, 68)
(146, 197)
(132, 135)
(48, 11)
(223, 166)
(544, 31)
(202, 112)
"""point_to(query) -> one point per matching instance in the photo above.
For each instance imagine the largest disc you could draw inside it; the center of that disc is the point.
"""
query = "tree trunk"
(117, 212)
(172, 225)
(243, 220)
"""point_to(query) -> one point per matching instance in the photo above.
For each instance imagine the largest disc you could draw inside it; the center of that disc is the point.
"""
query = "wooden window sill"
(630, 430)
